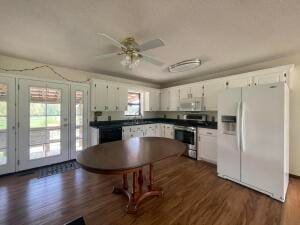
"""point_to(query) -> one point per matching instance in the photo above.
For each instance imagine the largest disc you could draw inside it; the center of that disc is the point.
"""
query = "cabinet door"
(122, 99)
(165, 100)
(169, 131)
(162, 130)
(149, 130)
(126, 132)
(139, 131)
(269, 78)
(94, 136)
(185, 92)
(238, 82)
(157, 130)
(111, 104)
(211, 91)
(151, 100)
(98, 96)
(154, 100)
(174, 99)
(197, 90)
(207, 148)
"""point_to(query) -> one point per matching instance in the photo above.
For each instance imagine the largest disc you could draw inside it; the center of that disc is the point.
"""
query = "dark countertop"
(177, 122)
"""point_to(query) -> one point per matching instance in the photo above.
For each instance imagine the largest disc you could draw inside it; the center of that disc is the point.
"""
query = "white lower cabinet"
(169, 131)
(207, 145)
(148, 130)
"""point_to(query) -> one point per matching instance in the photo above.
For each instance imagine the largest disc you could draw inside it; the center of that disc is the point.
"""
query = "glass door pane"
(3, 123)
(7, 125)
(43, 123)
(79, 94)
(79, 119)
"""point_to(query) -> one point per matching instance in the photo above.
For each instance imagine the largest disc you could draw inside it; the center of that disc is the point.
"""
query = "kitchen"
(149, 112)
(187, 113)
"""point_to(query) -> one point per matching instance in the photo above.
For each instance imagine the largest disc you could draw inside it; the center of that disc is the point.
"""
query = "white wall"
(44, 73)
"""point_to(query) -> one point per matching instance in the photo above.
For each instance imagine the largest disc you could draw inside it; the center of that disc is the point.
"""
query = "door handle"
(238, 125)
(243, 125)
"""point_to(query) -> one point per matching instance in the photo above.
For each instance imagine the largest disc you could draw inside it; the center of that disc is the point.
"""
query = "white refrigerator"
(253, 137)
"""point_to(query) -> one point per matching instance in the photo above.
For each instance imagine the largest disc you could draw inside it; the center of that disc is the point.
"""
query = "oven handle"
(193, 129)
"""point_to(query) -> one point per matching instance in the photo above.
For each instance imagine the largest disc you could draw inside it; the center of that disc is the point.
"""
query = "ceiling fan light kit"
(185, 65)
(132, 52)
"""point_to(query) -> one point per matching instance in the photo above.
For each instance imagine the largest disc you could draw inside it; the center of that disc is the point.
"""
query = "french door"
(43, 123)
(7, 125)
(79, 119)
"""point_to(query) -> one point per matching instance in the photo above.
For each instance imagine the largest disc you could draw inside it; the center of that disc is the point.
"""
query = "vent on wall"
(185, 65)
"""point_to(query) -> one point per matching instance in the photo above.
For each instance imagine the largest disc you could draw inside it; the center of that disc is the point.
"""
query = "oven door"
(187, 136)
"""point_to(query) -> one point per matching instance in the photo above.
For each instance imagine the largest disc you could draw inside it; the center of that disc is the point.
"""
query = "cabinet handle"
(209, 133)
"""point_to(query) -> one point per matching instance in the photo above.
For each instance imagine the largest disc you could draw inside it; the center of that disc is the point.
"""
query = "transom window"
(134, 104)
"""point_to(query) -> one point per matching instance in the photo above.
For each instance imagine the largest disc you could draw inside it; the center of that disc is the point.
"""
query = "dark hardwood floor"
(193, 195)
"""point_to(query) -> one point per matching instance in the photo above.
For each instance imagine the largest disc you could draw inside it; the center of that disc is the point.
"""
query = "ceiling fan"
(132, 52)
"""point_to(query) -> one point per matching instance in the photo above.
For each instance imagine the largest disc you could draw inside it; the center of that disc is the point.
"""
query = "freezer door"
(263, 138)
(228, 158)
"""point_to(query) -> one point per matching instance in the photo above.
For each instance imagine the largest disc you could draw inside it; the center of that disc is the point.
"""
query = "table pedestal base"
(138, 193)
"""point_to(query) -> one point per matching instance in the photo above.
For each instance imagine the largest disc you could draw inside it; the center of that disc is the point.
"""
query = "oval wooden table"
(130, 156)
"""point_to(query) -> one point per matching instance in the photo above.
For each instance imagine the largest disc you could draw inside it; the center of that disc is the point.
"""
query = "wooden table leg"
(125, 181)
(138, 195)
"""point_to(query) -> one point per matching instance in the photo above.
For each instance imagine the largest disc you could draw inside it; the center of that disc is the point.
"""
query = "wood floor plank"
(194, 195)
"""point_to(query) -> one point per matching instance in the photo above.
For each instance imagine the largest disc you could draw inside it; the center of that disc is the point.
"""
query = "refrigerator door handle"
(243, 106)
(238, 126)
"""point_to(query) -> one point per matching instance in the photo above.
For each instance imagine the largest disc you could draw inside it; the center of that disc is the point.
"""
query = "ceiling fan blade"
(112, 40)
(151, 60)
(151, 44)
(104, 56)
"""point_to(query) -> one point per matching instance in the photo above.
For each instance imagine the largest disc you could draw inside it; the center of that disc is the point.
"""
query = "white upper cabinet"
(112, 96)
(111, 92)
(197, 90)
(211, 91)
(174, 99)
(106, 96)
(122, 98)
(169, 99)
(194, 90)
(98, 95)
(185, 92)
(152, 100)
(238, 81)
(270, 78)
(164, 99)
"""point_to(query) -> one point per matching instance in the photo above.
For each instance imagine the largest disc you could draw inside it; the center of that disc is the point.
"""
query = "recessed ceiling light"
(185, 65)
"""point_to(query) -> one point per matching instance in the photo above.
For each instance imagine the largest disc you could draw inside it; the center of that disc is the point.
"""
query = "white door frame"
(23, 96)
(10, 166)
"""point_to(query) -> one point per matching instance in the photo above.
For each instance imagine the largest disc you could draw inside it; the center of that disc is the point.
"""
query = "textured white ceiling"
(224, 34)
